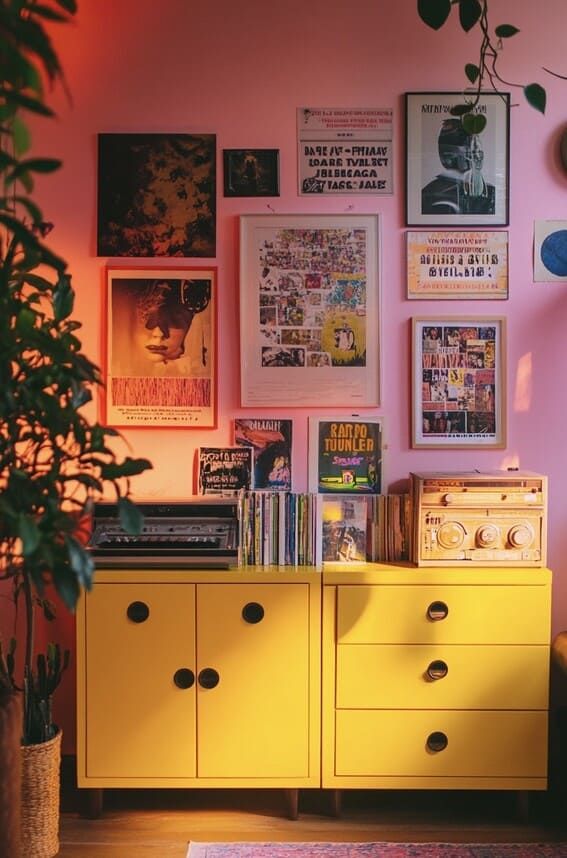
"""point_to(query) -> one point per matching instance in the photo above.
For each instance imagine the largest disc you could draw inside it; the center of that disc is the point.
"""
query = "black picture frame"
(251, 172)
(454, 179)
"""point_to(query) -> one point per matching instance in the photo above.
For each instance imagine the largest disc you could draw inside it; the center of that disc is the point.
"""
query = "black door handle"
(184, 678)
(208, 678)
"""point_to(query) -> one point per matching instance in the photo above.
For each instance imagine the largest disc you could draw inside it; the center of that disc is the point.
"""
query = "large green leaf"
(536, 96)
(469, 13)
(131, 518)
(473, 123)
(434, 13)
(472, 72)
(29, 533)
(505, 31)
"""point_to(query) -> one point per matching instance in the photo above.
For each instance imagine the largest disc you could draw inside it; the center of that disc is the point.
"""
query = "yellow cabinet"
(188, 682)
(435, 678)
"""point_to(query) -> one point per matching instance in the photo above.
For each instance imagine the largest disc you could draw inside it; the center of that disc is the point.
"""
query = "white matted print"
(454, 178)
(459, 382)
(452, 265)
(550, 251)
(309, 310)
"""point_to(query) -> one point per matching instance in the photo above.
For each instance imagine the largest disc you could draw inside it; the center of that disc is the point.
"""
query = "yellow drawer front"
(479, 744)
(390, 676)
(483, 614)
(139, 723)
(255, 722)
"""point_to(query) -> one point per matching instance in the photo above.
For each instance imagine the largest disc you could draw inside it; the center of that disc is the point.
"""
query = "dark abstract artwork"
(156, 195)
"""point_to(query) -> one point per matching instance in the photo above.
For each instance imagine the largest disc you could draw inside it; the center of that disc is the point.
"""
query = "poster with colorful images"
(271, 442)
(160, 360)
(343, 529)
(224, 470)
(550, 251)
(459, 382)
(344, 150)
(309, 310)
(345, 455)
(457, 265)
(156, 195)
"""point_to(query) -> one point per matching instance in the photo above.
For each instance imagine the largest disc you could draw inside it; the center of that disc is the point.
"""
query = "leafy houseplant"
(54, 461)
(484, 71)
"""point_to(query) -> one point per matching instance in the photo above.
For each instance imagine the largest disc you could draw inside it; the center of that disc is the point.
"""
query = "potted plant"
(55, 462)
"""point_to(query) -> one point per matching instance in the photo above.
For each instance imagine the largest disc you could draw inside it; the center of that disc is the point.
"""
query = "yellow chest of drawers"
(435, 678)
(199, 679)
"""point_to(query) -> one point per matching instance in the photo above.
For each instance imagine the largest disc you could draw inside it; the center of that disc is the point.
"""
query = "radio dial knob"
(449, 498)
(451, 535)
(520, 536)
(487, 535)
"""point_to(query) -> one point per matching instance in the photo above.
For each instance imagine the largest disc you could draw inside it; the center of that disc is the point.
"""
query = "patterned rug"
(377, 850)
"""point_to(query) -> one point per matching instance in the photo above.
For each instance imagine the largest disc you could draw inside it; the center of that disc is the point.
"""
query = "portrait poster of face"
(454, 178)
(271, 442)
(160, 366)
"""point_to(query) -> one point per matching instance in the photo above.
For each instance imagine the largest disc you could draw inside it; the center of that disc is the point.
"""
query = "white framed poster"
(344, 150)
(309, 310)
(454, 178)
(459, 382)
(452, 265)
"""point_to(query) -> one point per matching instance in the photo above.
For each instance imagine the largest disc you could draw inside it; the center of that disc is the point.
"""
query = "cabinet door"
(140, 722)
(255, 721)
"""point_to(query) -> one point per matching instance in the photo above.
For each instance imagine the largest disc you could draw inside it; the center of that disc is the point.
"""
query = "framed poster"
(459, 382)
(344, 150)
(224, 470)
(345, 455)
(550, 251)
(271, 442)
(309, 310)
(454, 178)
(452, 265)
(160, 356)
(156, 195)
(251, 172)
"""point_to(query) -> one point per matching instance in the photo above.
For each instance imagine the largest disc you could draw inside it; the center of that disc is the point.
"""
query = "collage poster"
(344, 150)
(270, 441)
(458, 383)
(309, 310)
(345, 455)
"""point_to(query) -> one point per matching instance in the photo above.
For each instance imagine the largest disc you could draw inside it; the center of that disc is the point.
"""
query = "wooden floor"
(159, 823)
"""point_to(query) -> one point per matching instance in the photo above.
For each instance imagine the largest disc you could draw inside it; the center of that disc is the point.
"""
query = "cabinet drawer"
(479, 744)
(413, 614)
(386, 676)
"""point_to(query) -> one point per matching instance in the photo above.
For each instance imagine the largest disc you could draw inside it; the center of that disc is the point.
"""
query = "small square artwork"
(156, 195)
(251, 173)
(550, 251)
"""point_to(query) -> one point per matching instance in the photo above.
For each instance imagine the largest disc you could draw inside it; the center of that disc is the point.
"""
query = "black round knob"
(184, 678)
(437, 669)
(138, 612)
(253, 612)
(208, 677)
(437, 742)
(437, 611)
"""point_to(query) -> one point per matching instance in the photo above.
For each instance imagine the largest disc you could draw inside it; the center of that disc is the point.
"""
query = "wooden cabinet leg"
(91, 803)
(292, 803)
(523, 805)
(335, 802)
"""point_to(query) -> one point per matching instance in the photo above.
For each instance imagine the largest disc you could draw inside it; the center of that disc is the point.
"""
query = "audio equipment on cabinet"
(491, 518)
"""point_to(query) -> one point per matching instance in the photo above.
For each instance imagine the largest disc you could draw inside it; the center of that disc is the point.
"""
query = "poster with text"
(271, 442)
(309, 310)
(345, 455)
(160, 362)
(457, 265)
(344, 150)
(224, 470)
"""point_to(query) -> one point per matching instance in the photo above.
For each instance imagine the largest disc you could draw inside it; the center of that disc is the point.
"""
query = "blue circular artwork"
(554, 252)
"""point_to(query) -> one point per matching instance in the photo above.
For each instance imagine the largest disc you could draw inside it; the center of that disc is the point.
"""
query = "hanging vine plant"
(484, 72)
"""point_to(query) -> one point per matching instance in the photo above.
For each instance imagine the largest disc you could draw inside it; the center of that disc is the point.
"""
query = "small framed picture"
(251, 172)
(459, 382)
(345, 455)
(454, 178)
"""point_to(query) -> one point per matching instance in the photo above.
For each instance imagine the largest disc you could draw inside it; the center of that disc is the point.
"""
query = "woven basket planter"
(41, 766)
(10, 772)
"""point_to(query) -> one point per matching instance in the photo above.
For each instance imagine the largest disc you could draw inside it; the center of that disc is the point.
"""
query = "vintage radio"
(471, 518)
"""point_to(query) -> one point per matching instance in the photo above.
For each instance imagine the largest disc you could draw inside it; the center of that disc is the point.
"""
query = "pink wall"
(240, 70)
